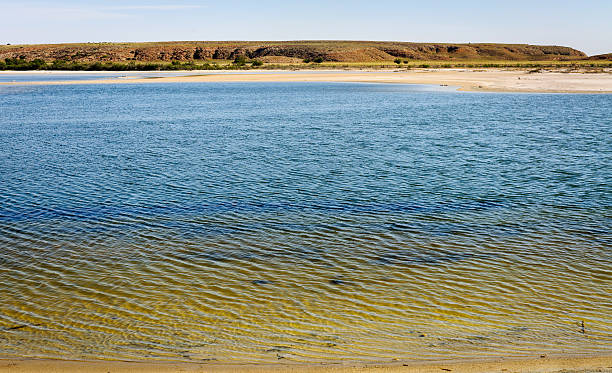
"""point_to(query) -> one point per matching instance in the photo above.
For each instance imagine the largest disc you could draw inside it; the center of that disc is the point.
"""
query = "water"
(302, 222)
(49, 76)
(54, 76)
(37, 76)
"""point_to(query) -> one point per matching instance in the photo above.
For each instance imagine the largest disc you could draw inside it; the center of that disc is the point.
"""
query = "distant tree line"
(241, 62)
(39, 64)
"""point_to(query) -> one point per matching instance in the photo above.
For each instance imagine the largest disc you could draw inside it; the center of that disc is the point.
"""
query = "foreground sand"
(492, 80)
(537, 364)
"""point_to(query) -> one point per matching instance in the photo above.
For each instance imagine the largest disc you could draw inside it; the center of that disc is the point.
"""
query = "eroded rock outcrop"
(341, 51)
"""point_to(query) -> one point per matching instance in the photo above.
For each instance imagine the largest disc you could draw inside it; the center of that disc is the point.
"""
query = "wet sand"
(488, 80)
(537, 364)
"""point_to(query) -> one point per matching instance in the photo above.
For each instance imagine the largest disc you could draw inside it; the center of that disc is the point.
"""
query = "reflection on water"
(302, 222)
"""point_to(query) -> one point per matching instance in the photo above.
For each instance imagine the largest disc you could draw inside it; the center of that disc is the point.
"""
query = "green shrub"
(96, 66)
(38, 64)
(397, 61)
(257, 63)
(59, 65)
(240, 60)
(149, 66)
(22, 64)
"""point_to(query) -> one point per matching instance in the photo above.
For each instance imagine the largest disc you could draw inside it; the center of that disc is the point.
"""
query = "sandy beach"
(541, 364)
(485, 80)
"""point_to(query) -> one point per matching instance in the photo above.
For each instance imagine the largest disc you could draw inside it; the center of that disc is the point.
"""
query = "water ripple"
(302, 222)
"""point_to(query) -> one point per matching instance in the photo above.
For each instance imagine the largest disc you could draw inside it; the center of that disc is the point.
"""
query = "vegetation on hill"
(39, 64)
(242, 55)
(337, 51)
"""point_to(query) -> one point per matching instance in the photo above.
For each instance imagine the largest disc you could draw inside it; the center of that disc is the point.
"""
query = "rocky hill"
(602, 57)
(339, 51)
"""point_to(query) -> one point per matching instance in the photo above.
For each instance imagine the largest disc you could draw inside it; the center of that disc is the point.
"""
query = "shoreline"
(473, 80)
(542, 364)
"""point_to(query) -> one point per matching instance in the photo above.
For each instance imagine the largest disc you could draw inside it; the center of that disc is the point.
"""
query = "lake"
(302, 222)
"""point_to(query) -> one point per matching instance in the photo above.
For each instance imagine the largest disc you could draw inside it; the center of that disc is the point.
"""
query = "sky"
(585, 25)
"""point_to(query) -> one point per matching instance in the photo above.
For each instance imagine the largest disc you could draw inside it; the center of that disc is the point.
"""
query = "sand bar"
(486, 80)
(546, 364)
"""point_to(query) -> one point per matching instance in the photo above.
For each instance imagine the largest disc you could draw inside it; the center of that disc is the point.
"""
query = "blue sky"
(585, 25)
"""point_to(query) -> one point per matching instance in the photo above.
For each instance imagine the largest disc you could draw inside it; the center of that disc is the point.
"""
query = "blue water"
(53, 76)
(323, 148)
(50, 76)
(371, 176)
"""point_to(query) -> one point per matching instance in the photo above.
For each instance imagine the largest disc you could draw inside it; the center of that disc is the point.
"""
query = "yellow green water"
(172, 306)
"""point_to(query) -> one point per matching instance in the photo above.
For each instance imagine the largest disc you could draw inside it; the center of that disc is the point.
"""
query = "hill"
(287, 51)
(602, 57)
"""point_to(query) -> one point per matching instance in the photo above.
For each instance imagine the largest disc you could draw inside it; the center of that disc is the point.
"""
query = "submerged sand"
(491, 80)
(542, 364)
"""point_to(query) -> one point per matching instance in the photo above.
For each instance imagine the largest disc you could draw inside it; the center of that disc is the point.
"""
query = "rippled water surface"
(38, 76)
(53, 76)
(302, 222)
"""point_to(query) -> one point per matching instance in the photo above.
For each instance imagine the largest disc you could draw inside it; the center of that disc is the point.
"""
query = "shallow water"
(266, 222)
(58, 75)
(50, 76)
(19, 77)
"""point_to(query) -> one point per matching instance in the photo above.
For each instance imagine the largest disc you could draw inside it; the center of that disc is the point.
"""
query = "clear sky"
(582, 24)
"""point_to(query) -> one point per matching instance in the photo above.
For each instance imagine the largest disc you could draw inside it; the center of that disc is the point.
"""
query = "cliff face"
(340, 51)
